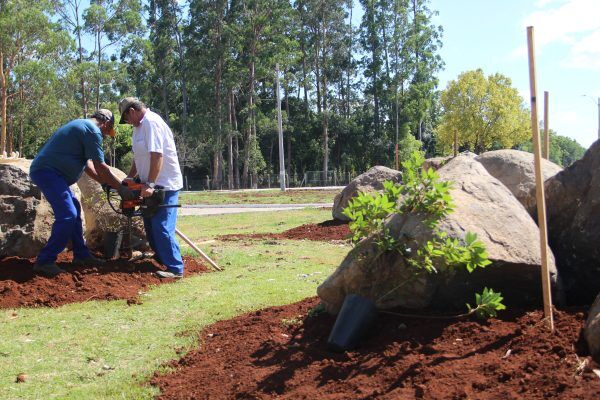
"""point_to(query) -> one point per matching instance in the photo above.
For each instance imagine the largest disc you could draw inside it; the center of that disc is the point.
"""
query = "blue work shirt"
(69, 148)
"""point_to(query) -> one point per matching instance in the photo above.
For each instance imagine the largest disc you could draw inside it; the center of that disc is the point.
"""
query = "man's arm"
(103, 174)
(156, 161)
(91, 171)
(132, 171)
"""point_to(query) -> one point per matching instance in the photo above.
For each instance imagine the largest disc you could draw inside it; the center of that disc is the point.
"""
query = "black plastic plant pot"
(352, 323)
(112, 244)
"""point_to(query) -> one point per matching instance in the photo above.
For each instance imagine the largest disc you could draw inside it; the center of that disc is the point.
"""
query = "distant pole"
(280, 130)
(540, 197)
(546, 151)
(455, 143)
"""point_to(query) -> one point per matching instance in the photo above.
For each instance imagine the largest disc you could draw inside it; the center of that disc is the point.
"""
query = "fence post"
(207, 183)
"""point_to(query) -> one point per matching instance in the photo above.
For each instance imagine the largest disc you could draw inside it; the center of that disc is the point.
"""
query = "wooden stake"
(193, 246)
(539, 183)
(546, 129)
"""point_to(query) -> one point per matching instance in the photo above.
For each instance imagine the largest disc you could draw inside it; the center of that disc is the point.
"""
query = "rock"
(484, 206)
(515, 169)
(369, 182)
(26, 217)
(435, 162)
(591, 331)
(573, 214)
(100, 217)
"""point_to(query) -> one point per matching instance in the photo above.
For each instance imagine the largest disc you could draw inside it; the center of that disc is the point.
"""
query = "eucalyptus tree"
(110, 22)
(26, 33)
(423, 44)
(328, 32)
(70, 12)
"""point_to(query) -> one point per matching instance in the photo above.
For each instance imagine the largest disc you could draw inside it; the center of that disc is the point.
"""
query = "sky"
(492, 35)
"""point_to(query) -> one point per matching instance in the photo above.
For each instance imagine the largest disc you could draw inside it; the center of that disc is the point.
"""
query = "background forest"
(357, 79)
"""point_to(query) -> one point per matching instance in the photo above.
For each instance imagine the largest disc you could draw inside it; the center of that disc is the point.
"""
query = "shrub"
(421, 191)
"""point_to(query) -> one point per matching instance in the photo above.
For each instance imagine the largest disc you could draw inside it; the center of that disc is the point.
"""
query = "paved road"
(206, 209)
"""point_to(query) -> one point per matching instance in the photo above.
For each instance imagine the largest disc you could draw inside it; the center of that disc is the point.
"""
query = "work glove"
(125, 193)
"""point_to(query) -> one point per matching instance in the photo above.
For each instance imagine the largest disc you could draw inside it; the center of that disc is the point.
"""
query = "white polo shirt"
(154, 135)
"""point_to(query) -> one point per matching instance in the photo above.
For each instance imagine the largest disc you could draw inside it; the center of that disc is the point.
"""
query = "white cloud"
(565, 22)
(574, 23)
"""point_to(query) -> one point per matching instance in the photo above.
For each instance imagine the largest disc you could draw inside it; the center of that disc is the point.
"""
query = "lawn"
(274, 196)
(108, 349)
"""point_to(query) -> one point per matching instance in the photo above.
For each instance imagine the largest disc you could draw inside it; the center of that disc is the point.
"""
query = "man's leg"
(163, 232)
(58, 194)
(80, 250)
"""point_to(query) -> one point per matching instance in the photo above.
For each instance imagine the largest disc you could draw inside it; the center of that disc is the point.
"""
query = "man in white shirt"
(155, 162)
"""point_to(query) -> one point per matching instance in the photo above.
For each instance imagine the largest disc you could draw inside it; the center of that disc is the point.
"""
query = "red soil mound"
(281, 353)
(118, 279)
(324, 231)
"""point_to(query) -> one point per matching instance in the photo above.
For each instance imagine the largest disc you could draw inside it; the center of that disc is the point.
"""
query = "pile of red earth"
(118, 279)
(332, 230)
(282, 353)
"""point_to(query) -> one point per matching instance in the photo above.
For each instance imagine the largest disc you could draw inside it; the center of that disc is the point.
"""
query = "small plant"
(421, 192)
(488, 303)
(291, 322)
(316, 310)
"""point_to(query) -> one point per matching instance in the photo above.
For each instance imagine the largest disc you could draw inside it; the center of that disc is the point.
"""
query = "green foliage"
(564, 151)
(423, 191)
(483, 113)
(368, 213)
(450, 254)
(488, 303)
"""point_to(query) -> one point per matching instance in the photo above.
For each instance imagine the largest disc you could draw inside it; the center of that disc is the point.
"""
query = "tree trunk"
(230, 143)
(3, 101)
(98, 36)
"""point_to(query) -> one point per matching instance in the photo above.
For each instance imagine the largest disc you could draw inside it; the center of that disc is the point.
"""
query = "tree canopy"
(483, 113)
(352, 90)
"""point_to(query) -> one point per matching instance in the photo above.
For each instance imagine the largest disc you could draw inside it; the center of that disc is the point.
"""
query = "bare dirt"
(282, 353)
(118, 279)
(332, 230)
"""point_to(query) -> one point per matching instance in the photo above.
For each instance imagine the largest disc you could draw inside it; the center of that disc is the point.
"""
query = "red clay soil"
(332, 230)
(281, 353)
(118, 279)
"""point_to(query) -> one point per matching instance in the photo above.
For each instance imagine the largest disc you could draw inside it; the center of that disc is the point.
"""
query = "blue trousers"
(160, 232)
(67, 216)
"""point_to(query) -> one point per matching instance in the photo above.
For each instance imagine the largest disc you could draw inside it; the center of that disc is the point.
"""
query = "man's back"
(69, 148)
(154, 135)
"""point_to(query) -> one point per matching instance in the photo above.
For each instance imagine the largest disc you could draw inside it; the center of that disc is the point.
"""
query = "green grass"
(274, 196)
(108, 350)
(210, 226)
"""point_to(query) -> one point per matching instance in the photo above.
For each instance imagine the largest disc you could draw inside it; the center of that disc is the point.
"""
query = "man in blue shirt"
(72, 149)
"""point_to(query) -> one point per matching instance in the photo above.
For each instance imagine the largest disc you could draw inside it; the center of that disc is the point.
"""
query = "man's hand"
(147, 191)
(125, 193)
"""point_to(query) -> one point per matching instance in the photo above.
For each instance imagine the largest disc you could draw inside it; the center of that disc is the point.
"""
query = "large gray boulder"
(515, 169)
(99, 216)
(484, 206)
(25, 216)
(573, 214)
(591, 332)
(369, 182)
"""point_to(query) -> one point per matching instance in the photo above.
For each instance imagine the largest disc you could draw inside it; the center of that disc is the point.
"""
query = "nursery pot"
(112, 244)
(352, 322)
